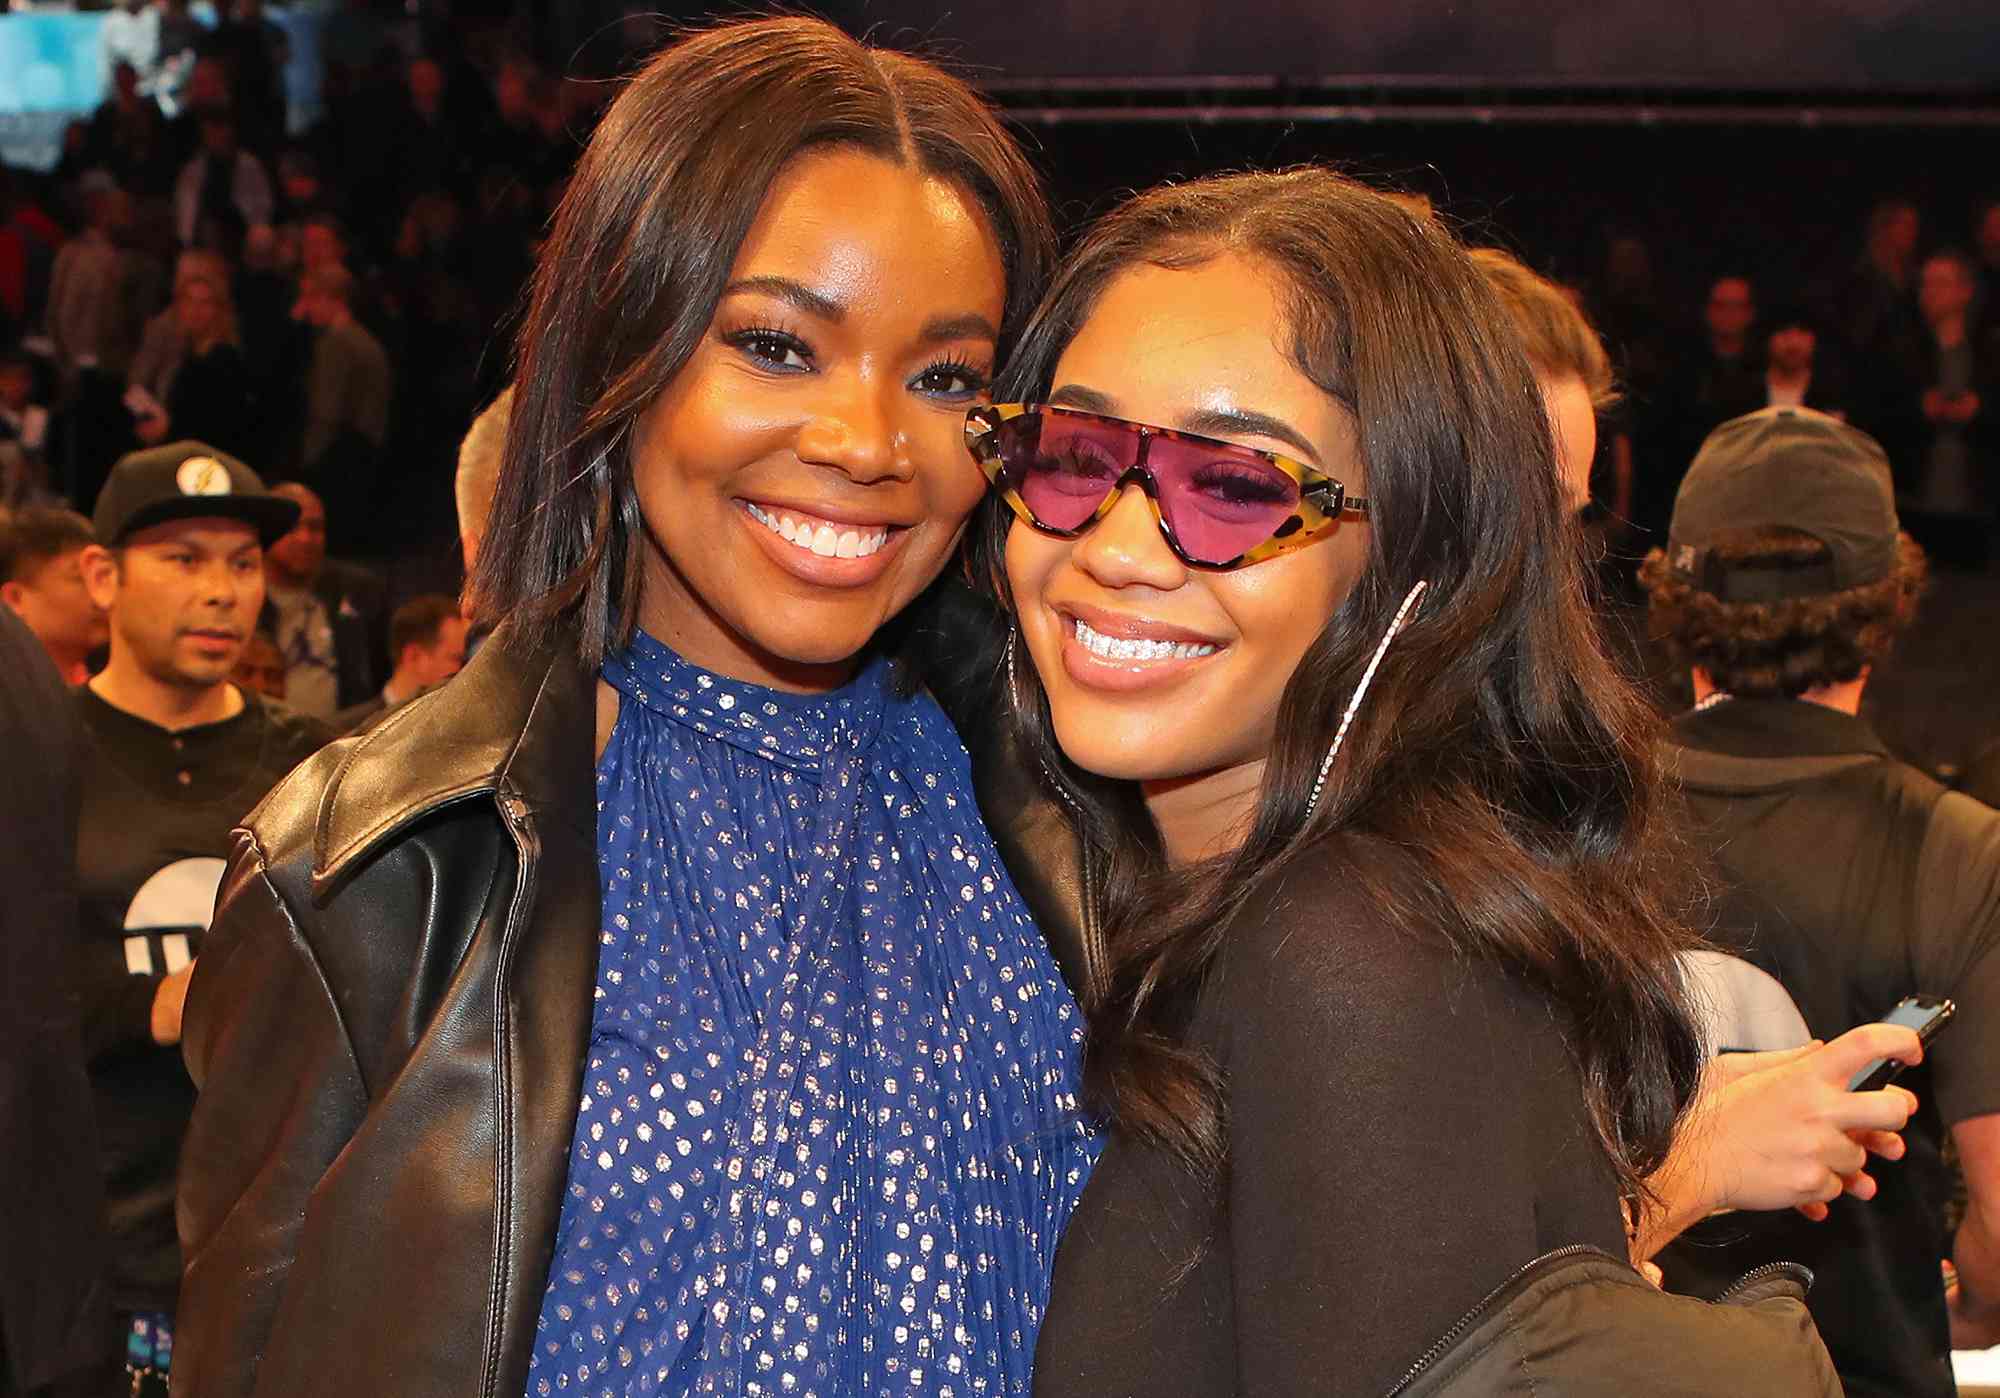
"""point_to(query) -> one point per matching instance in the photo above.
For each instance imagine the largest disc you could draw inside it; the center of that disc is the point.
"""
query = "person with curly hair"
(1849, 877)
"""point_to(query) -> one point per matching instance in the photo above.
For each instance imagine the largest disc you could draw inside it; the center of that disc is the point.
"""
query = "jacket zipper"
(1470, 1318)
(1802, 1274)
(515, 812)
(1465, 1322)
(1095, 972)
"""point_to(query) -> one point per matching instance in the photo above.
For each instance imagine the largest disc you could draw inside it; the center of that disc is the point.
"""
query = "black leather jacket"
(389, 1021)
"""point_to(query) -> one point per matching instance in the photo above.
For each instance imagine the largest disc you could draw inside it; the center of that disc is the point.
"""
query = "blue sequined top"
(829, 1134)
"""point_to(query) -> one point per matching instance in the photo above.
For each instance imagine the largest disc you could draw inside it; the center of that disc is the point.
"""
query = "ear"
(13, 594)
(100, 575)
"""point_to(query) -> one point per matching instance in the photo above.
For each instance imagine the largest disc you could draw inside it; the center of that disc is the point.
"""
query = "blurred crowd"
(293, 325)
(323, 302)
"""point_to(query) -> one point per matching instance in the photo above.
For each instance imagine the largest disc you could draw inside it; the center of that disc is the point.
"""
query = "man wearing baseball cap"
(1850, 878)
(174, 757)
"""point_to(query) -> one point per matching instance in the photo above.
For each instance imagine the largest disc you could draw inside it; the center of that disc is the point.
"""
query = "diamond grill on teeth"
(1114, 648)
(823, 539)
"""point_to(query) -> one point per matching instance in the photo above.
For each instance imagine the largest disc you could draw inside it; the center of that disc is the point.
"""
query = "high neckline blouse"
(828, 1135)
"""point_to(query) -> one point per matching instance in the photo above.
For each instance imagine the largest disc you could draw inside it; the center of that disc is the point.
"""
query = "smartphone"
(1927, 1014)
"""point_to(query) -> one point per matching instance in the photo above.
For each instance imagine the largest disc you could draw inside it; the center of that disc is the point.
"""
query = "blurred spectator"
(1941, 426)
(1717, 375)
(180, 36)
(127, 136)
(479, 457)
(346, 399)
(99, 298)
(174, 756)
(322, 242)
(1875, 302)
(1794, 377)
(206, 93)
(29, 237)
(1847, 877)
(1723, 384)
(433, 141)
(129, 38)
(1570, 365)
(302, 191)
(262, 668)
(24, 421)
(523, 143)
(96, 309)
(1986, 259)
(41, 581)
(223, 191)
(56, 1336)
(256, 52)
(1626, 306)
(427, 639)
(326, 615)
(189, 379)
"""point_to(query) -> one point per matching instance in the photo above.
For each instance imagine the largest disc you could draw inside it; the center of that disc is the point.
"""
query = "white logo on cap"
(202, 475)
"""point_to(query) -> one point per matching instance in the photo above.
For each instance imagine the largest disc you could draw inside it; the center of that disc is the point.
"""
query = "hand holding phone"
(1928, 1015)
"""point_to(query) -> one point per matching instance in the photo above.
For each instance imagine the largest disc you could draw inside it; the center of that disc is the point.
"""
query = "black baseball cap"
(186, 480)
(1789, 468)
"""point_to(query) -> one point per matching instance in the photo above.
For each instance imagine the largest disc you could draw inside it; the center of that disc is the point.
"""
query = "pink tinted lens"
(1063, 466)
(1219, 503)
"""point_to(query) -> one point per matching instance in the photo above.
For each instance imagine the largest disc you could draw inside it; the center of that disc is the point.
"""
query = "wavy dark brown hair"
(1783, 648)
(640, 251)
(1505, 770)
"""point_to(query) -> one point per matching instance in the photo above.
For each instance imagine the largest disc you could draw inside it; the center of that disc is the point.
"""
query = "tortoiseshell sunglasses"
(1218, 505)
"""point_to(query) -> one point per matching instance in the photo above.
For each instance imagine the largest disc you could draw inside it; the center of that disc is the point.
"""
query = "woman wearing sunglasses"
(1378, 966)
(647, 1011)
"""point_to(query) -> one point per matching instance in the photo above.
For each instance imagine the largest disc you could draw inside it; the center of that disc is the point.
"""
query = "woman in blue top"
(799, 1116)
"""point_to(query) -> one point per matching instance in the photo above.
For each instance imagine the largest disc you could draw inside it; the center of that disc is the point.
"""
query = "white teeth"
(1114, 648)
(821, 539)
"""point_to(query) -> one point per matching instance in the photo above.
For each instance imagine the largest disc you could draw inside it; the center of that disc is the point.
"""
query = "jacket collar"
(1776, 728)
(517, 725)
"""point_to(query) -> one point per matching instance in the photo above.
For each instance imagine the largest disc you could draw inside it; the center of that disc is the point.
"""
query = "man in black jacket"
(1847, 877)
(174, 756)
(54, 1325)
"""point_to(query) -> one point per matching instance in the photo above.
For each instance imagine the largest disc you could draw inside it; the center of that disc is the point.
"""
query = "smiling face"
(1199, 350)
(183, 598)
(804, 476)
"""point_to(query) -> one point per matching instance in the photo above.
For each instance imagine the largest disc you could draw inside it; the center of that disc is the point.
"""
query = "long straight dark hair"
(1503, 768)
(639, 254)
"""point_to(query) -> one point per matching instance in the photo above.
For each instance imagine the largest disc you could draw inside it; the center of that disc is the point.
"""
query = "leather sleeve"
(281, 1094)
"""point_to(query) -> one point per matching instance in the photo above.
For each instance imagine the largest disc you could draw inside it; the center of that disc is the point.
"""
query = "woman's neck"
(1203, 816)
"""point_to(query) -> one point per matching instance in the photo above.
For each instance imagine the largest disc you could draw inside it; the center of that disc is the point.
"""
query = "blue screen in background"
(53, 72)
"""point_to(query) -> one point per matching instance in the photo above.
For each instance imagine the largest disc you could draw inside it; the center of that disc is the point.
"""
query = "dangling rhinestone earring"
(1013, 688)
(1354, 705)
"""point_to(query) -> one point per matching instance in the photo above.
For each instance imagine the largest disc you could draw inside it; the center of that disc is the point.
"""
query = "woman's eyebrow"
(1203, 422)
(796, 294)
(1086, 400)
(1246, 422)
(969, 326)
